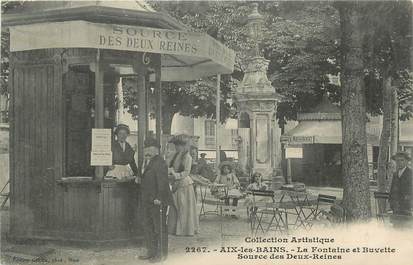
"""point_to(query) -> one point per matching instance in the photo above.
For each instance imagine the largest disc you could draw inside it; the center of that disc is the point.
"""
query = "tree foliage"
(387, 53)
(302, 44)
(300, 41)
(194, 99)
(5, 46)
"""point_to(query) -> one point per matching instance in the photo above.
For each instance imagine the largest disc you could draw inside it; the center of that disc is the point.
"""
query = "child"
(230, 180)
(256, 182)
(255, 185)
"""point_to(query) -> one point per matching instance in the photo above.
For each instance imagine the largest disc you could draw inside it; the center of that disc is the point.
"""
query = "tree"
(194, 99)
(388, 67)
(291, 54)
(356, 193)
(299, 40)
(302, 44)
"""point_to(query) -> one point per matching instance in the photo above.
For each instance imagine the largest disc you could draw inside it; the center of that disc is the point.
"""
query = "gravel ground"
(209, 235)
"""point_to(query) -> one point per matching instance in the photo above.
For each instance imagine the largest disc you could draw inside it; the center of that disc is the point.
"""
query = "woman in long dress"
(183, 218)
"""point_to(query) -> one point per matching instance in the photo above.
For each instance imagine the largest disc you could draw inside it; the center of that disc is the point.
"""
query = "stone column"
(256, 97)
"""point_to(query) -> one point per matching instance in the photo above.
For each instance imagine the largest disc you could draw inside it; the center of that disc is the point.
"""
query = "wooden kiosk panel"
(36, 142)
(47, 200)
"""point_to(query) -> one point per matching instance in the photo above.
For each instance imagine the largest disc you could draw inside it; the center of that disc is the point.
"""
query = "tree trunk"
(394, 140)
(382, 167)
(356, 194)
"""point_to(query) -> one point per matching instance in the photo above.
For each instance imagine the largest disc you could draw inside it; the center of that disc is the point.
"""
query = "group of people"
(167, 187)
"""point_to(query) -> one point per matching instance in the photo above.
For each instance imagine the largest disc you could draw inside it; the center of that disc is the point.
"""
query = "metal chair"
(381, 202)
(269, 209)
(299, 201)
(333, 215)
(215, 201)
(323, 199)
(278, 218)
(255, 194)
(4, 194)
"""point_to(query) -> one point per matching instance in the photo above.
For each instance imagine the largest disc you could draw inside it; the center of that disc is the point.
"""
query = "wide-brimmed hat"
(122, 127)
(180, 139)
(226, 163)
(403, 154)
(202, 154)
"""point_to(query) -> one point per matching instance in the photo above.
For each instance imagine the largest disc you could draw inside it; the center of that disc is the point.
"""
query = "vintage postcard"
(206, 132)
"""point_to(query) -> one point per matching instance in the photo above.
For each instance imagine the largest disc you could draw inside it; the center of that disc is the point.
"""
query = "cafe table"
(216, 200)
(295, 203)
(286, 203)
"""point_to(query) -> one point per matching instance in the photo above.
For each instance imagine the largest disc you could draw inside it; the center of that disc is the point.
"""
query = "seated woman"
(231, 182)
(124, 165)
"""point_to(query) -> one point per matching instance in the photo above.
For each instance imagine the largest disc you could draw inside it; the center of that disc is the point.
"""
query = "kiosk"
(66, 61)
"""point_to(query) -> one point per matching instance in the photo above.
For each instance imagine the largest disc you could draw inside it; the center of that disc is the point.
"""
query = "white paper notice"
(100, 158)
(101, 154)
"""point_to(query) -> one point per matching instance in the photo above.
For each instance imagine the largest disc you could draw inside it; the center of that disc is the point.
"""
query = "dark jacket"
(155, 184)
(401, 192)
(205, 170)
(119, 157)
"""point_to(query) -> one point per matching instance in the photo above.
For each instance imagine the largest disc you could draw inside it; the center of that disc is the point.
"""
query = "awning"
(319, 132)
(185, 55)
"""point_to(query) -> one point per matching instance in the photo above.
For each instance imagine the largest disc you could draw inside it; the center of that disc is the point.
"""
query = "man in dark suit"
(155, 196)
(401, 188)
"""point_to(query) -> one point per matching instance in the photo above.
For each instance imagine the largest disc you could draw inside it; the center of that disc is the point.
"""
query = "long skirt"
(183, 217)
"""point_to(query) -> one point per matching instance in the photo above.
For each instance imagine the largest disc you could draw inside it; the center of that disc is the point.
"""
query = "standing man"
(401, 188)
(156, 196)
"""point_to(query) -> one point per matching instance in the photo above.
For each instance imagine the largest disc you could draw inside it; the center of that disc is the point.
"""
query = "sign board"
(83, 34)
(297, 139)
(101, 154)
(293, 152)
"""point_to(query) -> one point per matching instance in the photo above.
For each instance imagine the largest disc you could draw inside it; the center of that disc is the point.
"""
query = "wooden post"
(142, 115)
(158, 103)
(147, 105)
(218, 117)
(394, 135)
(99, 104)
(120, 108)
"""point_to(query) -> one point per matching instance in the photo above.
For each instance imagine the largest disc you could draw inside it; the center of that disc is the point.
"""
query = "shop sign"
(293, 152)
(83, 34)
(297, 139)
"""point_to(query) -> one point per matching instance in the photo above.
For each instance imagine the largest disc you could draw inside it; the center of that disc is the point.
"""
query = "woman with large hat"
(183, 218)
(124, 165)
